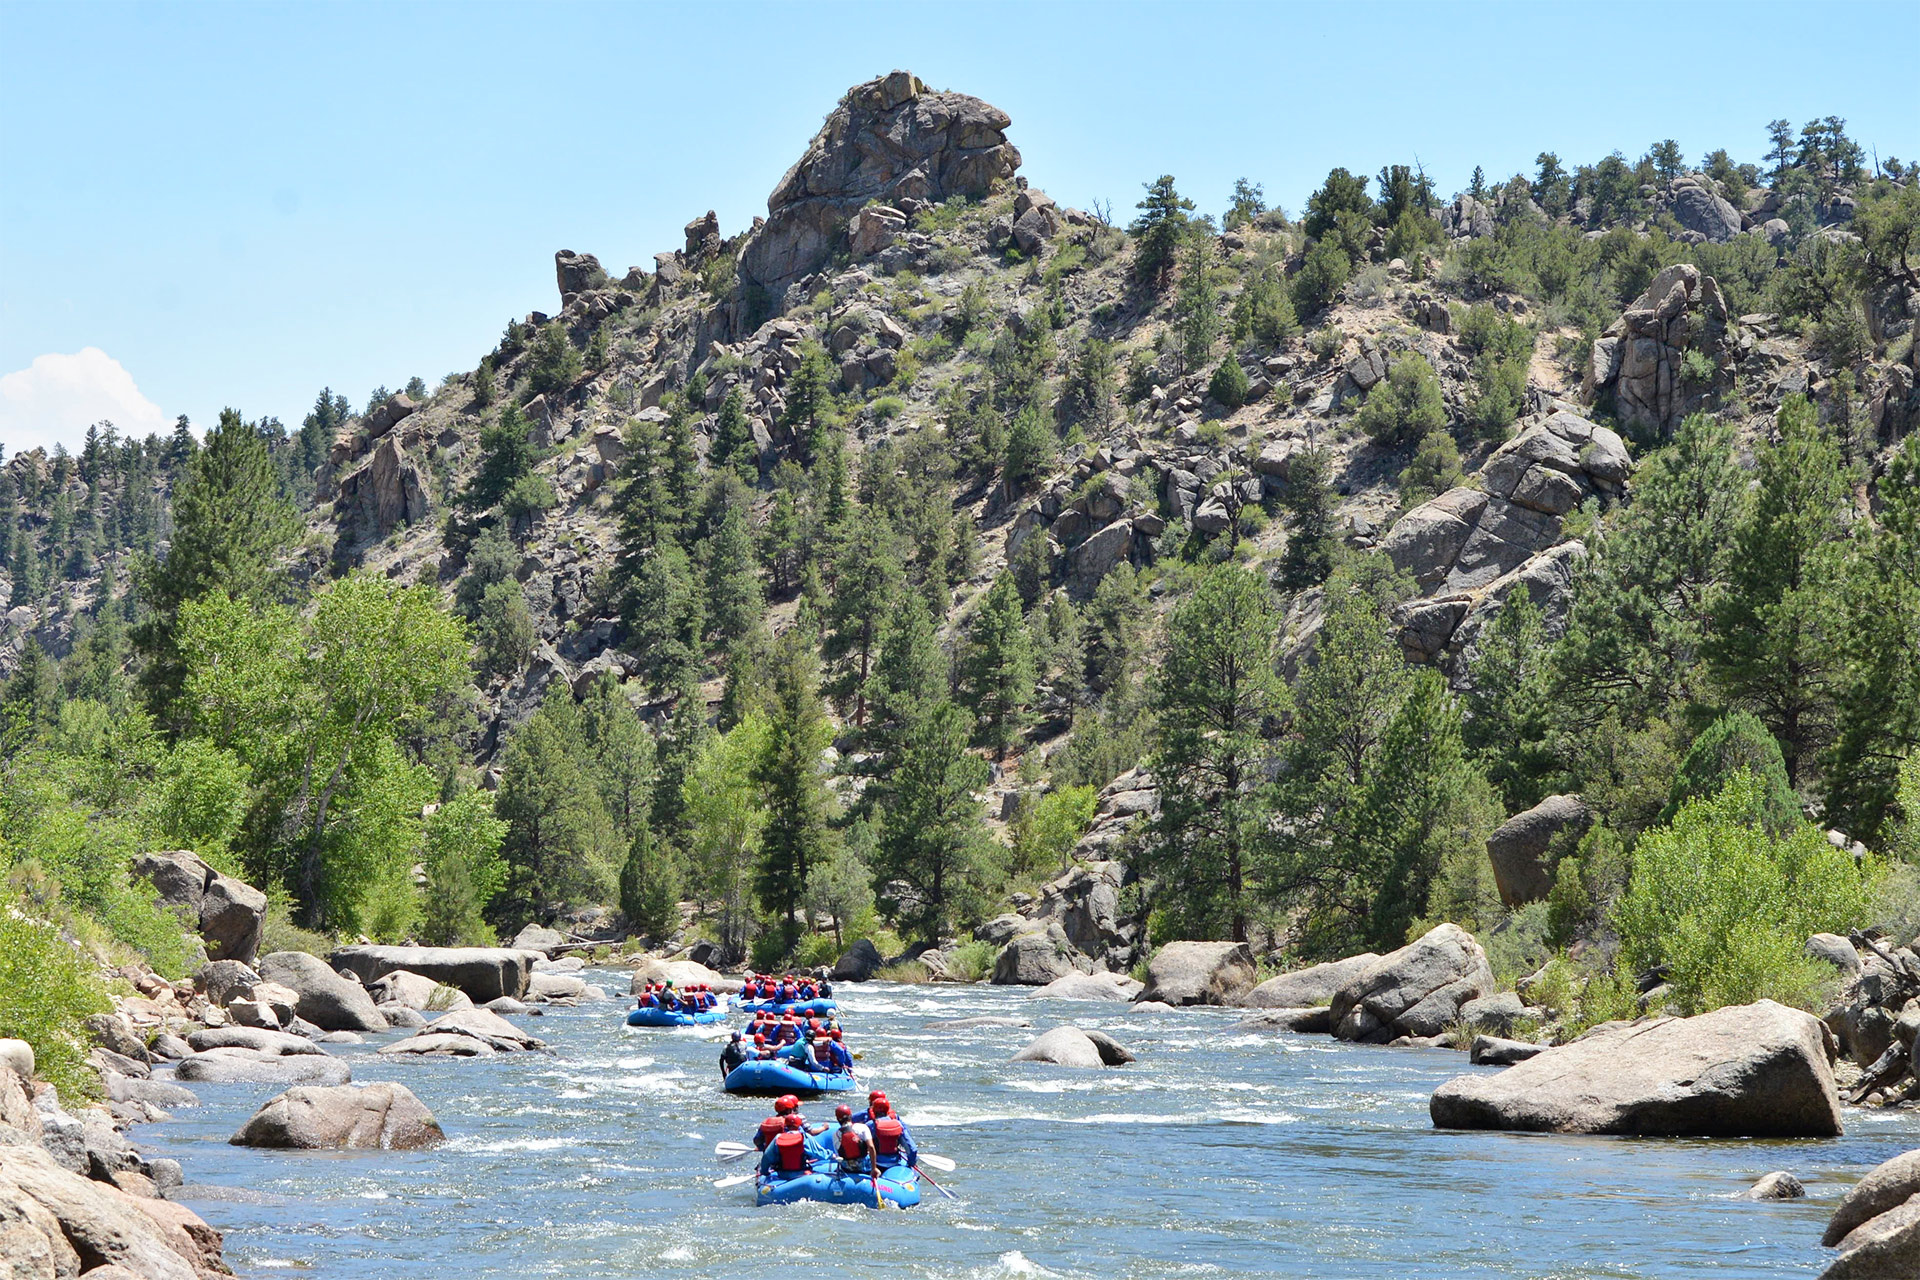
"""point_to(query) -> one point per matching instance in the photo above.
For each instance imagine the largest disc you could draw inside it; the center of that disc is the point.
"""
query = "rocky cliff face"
(891, 141)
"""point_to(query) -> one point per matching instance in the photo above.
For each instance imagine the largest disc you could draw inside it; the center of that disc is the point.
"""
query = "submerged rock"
(1758, 1070)
(1074, 1047)
(1314, 1019)
(1779, 1185)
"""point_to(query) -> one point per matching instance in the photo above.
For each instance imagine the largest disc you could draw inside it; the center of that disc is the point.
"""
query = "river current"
(1216, 1154)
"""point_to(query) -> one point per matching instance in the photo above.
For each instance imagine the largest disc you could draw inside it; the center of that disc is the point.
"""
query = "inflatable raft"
(821, 1005)
(673, 1018)
(777, 1077)
(899, 1187)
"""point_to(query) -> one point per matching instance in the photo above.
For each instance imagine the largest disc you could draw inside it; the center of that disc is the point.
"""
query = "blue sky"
(228, 204)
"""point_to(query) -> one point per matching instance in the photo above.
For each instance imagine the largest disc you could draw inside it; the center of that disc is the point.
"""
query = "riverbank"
(1250, 1153)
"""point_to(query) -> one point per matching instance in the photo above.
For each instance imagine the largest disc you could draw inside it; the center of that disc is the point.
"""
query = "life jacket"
(851, 1146)
(806, 991)
(789, 993)
(770, 1128)
(790, 1151)
(887, 1132)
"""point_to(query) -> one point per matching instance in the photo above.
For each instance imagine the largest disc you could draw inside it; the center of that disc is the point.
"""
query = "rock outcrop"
(1415, 991)
(1702, 210)
(1640, 360)
(55, 1223)
(1037, 957)
(484, 973)
(418, 992)
(228, 914)
(327, 1000)
(1199, 973)
(386, 493)
(889, 140)
(1306, 988)
(468, 1033)
(1519, 847)
(1758, 1070)
(386, 1117)
(1074, 1047)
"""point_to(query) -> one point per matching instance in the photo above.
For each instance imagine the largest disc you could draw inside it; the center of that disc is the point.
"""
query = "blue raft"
(777, 1077)
(898, 1187)
(673, 1018)
(821, 1005)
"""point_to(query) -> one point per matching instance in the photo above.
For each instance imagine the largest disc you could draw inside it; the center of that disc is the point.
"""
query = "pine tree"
(649, 886)
(998, 677)
(786, 542)
(733, 446)
(1507, 707)
(1197, 309)
(1158, 231)
(1311, 543)
(869, 577)
(230, 526)
(795, 794)
(1215, 690)
(642, 502)
(1771, 626)
(665, 619)
(1115, 624)
(734, 600)
(809, 412)
(560, 844)
(930, 828)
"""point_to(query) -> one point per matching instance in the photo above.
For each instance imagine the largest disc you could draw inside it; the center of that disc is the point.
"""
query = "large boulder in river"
(1756, 1070)
(1519, 847)
(383, 1116)
(327, 1000)
(418, 992)
(1116, 987)
(1890, 1185)
(54, 1223)
(1199, 973)
(228, 914)
(537, 937)
(1415, 991)
(1037, 958)
(445, 1034)
(1304, 988)
(888, 140)
(861, 961)
(484, 973)
(1074, 1047)
(253, 1066)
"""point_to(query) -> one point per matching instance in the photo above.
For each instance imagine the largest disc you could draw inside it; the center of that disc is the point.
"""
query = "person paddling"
(832, 1054)
(853, 1143)
(789, 1154)
(733, 1054)
(892, 1142)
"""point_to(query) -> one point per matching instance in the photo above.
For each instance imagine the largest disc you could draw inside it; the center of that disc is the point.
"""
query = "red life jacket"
(886, 1135)
(790, 1150)
(770, 1128)
(851, 1148)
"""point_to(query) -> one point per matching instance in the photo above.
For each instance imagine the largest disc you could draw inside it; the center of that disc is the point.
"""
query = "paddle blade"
(734, 1181)
(941, 1163)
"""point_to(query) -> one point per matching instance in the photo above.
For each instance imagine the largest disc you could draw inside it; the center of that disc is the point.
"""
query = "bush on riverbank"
(51, 988)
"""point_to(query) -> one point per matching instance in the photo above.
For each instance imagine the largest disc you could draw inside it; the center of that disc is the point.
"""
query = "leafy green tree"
(1312, 545)
(197, 800)
(931, 834)
(1215, 690)
(493, 558)
(1197, 308)
(725, 817)
(1404, 407)
(464, 871)
(1726, 907)
(1159, 230)
(1049, 826)
(840, 887)
(1434, 470)
(230, 527)
(503, 629)
(554, 364)
(1768, 649)
(910, 676)
(560, 845)
(1323, 272)
(797, 801)
(997, 676)
(1507, 725)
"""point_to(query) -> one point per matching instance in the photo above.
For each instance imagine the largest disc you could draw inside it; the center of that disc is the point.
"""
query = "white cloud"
(58, 397)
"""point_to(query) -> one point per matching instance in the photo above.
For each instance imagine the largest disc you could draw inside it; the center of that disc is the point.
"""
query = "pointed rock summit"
(890, 140)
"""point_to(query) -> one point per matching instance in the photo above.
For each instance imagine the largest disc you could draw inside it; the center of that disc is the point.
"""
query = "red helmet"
(758, 1038)
(843, 1113)
(835, 1033)
(784, 1103)
(793, 1120)
(881, 1107)
(875, 1095)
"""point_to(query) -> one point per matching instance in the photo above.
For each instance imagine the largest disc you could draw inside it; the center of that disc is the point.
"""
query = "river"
(1217, 1154)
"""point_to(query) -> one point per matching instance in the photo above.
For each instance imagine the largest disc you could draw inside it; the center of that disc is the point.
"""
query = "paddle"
(731, 1151)
(941, 1163)
(936, 1186)
(734, 1181)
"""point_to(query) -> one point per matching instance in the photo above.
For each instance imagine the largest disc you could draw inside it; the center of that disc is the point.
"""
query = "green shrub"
(1048, 827)
(970, 961)
(1728, 906)
(1406, 405)
(1434, 470)
(1736, 741)
(531, 494)
(816, 950)
(1229, 384)
(887, 408)
(554, 364)
(50, 991)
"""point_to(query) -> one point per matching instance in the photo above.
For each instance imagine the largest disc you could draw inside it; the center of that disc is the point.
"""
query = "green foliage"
(1312, 545)
(1229, 383)
(1249, 202)
(502, 629)
(1323, 273)
(1031, 447)
(1406, 405)
(970, 961)
(506, 455)
(840, 885)
(1341, 193)
(554, 364)
(1215, 689)
(1728, 906)
(1196, 310)
(1048, 828)
(650, 885)
(810, 411)
(1158, 231)
(1263, 312)
(931, 835)
(197, 801)
(560, 844)
(464, 870)
(1737, 743)
(1507, 707)
(1434, 470)
(725, 816)
(529, 495)
(997, 675)
(798, 804)
(51, 990)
